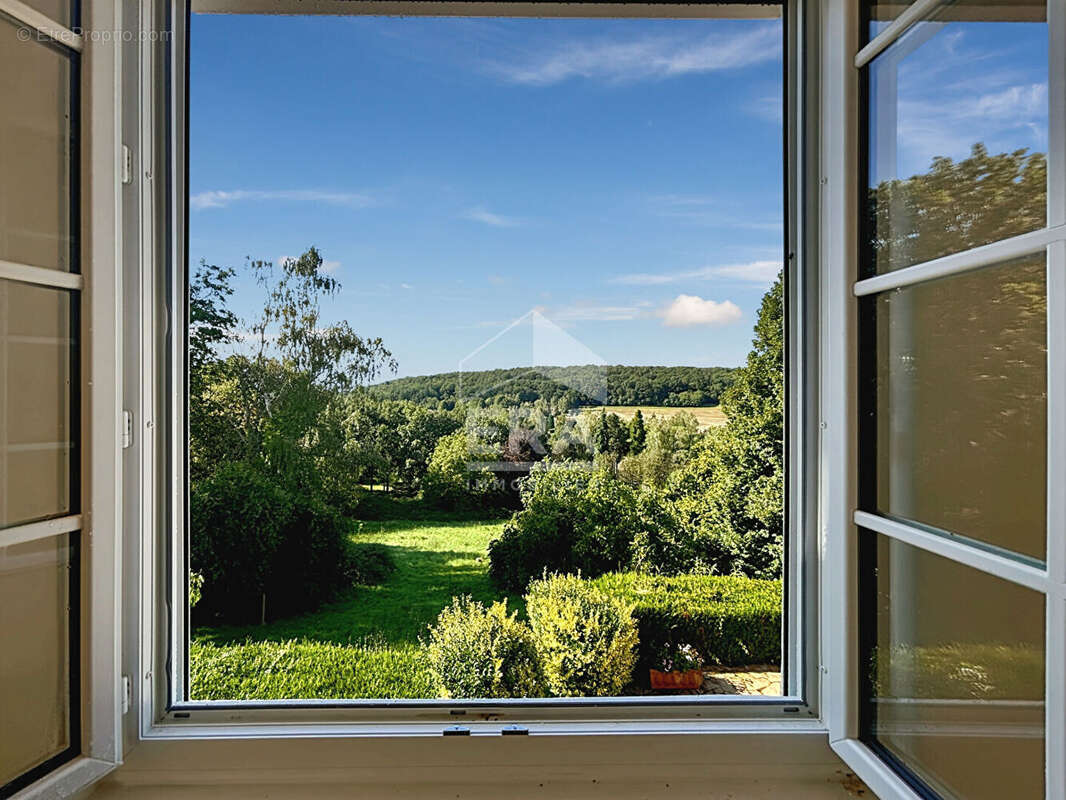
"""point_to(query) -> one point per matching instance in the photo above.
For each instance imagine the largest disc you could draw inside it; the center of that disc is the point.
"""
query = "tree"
(731, 495)
(637, 433)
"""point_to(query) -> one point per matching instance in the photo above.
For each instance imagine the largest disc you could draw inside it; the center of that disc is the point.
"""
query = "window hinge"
(127, 693)
(127, 428)
(127, 165)
(456, 730)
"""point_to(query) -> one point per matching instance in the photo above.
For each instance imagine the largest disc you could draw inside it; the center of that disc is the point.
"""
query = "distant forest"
(575, 386)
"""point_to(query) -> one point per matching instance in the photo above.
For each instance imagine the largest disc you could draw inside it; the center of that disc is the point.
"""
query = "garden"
(398, 540)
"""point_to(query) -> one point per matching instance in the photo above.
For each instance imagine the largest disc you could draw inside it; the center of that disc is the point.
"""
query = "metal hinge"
(127, 428)
(127, 693)
(127, 165)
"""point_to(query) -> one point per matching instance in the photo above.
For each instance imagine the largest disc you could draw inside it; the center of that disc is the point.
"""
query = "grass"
(365, 644)
(706, 416)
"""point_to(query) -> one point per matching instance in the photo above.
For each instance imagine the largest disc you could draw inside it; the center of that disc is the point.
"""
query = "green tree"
(637, 433)
(731, 494)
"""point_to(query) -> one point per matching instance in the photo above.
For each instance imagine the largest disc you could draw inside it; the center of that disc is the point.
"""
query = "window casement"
(947, 300)
(59, 415)
(166, 711)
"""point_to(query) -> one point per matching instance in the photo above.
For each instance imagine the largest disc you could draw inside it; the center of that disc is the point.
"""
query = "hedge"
(730, 621)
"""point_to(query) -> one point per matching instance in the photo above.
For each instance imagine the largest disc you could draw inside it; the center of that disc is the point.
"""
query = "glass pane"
(954, 673)
(961, 404)
(958, 127)
(34, 658)
(60, 11)
(35, 402)
(35, 150)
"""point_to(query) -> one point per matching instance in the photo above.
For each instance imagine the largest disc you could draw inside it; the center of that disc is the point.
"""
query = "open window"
(526, 212)
(957, 291)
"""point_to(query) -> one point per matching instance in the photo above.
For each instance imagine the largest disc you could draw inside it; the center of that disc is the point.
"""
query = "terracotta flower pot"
(689, 679)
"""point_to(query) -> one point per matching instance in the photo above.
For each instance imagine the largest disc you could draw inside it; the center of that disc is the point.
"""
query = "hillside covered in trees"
(576, 386)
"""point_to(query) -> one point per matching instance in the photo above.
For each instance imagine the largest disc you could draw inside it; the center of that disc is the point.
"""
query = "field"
(365, 645)
(706, 416)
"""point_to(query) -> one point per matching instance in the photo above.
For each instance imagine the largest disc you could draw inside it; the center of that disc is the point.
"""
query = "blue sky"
(622, 178)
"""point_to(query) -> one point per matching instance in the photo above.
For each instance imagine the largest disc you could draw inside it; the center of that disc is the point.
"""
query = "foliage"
(959, 671)
(567, 387)
(450, 484)
(669, 445)
(586, 639)
(301, 669)
(196, 586)
(576, 520)
(638, 434)
(371, 563)
(239, 518)
(263, 551)
(731, 621)
(956, 206)
(475, 651)
(731, 494)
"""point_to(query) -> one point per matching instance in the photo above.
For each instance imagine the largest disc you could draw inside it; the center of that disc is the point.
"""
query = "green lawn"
(364, 645)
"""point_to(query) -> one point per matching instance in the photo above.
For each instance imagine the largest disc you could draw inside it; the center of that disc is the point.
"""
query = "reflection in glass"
(954, 671)
(34, 657)
(958, 127)
(35, 397)
(35, 151)
(961, 404)
(60, 11)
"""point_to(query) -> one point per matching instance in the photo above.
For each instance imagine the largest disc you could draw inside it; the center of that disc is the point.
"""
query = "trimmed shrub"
(579, 521)
(731, 621)
(586, 639)
(479, 652)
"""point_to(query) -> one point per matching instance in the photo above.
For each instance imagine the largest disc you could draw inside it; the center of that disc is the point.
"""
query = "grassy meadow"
(706, 416)
(366, 644)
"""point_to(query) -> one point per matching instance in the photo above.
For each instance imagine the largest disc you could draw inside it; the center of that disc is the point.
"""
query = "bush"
(298, 670)
(449, 484)
(731, 621)
(586, 639)
(263, 552)
(239, 518)
(479, 652)
(371, 563)
(579, 521)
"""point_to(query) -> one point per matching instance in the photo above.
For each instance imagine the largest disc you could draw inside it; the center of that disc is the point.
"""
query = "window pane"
(35, 151)
(961, 404)
(954, 672)
(34, 658)
(958, 111)
(56, 10)
(35, 402)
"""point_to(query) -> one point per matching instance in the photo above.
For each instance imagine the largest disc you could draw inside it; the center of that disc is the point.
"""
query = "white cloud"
(488, 218)
(405, 286)
(223, 198)
(761, 272)
(648, 58)
(331, 266)
(688, 310)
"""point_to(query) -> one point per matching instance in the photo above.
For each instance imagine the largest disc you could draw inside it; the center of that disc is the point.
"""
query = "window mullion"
(31, 531)
(32, 18)
(957, 263)
(1002, 567)
(40, 276)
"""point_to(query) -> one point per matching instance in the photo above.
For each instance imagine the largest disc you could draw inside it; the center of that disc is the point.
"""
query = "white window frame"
(154, 500)
(98, 284)
(842, 62)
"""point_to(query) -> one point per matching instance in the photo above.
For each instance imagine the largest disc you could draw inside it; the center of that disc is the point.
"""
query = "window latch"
(127, 428)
